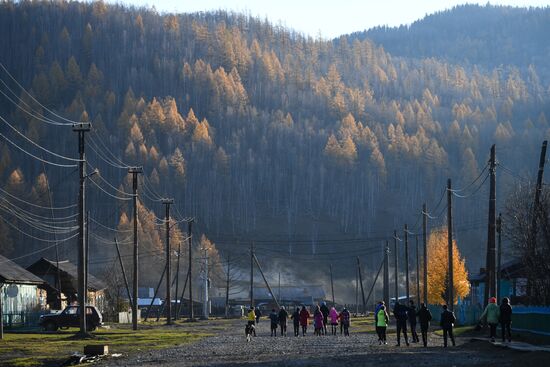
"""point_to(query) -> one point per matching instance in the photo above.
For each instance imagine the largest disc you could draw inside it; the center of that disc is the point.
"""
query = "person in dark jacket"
(296, 321)
(412, 321)
(274, 322)
(447, 322)
(424, 317)
(325, 311)
(506, 319)
(283, 316)
(400, 314)
(304, 316)
(258, 314)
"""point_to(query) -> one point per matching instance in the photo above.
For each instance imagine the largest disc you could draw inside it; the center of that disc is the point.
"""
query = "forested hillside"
(308, 146)
(487, 36)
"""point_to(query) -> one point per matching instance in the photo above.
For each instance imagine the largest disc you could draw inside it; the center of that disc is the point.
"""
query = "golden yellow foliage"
(438, 265)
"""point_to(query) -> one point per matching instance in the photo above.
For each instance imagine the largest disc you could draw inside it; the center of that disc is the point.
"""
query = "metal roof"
(70, 269)
(10, 272)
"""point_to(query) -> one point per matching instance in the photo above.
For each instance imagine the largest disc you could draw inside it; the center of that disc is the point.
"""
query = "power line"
(69, 122)
(38, 158)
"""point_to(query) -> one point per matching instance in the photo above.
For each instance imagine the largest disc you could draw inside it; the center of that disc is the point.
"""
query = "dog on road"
(249, 330)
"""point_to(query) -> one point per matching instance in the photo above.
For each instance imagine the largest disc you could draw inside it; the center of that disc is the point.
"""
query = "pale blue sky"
(328, 18)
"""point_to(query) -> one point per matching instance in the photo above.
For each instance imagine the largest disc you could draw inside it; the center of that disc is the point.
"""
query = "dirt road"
(229, 348)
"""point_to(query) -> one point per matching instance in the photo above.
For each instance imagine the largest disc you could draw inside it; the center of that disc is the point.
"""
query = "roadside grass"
(362, 324)
(49, 348)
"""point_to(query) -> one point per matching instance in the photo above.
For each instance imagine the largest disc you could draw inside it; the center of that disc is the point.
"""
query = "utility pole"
(176, 316)
(499, 254)
(265, 281)
(417, 274)
(87, 254)
(386, 274)
(190, 270)
(227, 287)
(1, 312)
(396, 263)
(357, 291)
(490, 286)
(123, 273)
(332, 286)
(450, 275)
(425, 245)
(538, 191)
(135, 171)
(361, 283)
(252, 274)
(205, 302)
(167, 203)
(81, 129)
(279, 296)
(407, 285)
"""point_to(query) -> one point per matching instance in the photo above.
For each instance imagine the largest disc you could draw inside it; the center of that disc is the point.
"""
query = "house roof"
(10, 272)
(508, 270)
(70, 269)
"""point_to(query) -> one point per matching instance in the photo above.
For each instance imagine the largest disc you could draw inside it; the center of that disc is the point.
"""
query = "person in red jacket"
(304, 316)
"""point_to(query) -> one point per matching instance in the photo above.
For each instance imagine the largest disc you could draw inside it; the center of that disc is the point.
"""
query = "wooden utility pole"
(124, 274)
(407, 285)
(87, 253)
(167, 203)
(450, 274)
(361, 283)
(176, 316)
(1, 311)
(332, 286)
(190, 270)
(227, 286)
(417, 273)
(387, 274)
(252, 274)
(81, 129)
(396, 263)
(538, 190)
(205, 308)
(265, 280)
(499, 254)
(357, 291)
(425, 248)
(375, 280)
(135, 171)
(490, 286)
(279, 295)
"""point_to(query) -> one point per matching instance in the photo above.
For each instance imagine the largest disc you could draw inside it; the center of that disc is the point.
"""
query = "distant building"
(296, 295)
(21, 291)
(49, 270)
(513, 281)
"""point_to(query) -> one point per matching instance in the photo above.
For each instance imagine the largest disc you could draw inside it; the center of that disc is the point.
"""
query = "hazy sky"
(330, 18)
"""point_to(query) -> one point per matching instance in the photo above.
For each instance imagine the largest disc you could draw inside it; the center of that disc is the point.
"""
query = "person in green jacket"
(381, 324)
(492, 315)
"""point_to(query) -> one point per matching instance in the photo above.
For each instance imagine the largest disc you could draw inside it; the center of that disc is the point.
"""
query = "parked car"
(70, 317)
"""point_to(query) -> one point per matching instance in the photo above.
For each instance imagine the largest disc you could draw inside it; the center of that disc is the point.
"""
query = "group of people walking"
(301, 317)
(495, 314)
(408, 315)
(405, 316)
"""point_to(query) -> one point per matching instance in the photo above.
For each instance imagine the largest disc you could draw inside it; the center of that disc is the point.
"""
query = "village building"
(21, 292)
(65, 274)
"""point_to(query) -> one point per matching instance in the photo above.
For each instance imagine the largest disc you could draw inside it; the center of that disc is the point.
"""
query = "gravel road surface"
(229, 348)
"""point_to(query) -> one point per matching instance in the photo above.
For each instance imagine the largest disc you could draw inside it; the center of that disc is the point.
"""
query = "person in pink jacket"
(333, 314)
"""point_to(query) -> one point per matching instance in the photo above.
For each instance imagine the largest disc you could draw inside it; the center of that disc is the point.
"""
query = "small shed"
(49, 270)
(21, 291)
